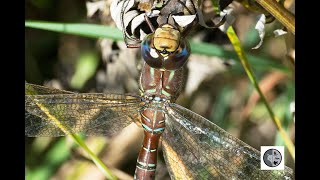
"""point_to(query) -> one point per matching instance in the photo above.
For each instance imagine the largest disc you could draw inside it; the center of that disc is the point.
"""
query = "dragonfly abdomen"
(152, 121)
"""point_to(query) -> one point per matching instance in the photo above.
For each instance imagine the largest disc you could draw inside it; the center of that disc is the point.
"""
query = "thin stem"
(284, 16)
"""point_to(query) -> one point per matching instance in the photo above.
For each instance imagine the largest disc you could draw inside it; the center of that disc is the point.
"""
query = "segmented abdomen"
(152, 121)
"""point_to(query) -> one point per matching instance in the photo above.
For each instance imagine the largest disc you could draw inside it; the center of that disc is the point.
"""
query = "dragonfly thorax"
(157, 85)
(165, 49)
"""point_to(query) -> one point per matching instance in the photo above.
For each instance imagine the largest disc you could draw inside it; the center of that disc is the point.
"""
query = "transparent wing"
(52, 112)
(195, 148)
(33, 89)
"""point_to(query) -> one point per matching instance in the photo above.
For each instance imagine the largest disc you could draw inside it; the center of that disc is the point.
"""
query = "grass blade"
(81, 29)
(101, 31)
(79, 141)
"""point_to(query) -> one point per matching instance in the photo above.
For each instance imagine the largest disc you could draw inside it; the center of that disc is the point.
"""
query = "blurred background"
(217, 88)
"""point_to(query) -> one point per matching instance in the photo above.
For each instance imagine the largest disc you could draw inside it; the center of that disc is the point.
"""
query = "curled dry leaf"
(184, 20)
(138, 19)
(116, 8)
(93, 7)
(260, 27)
(279, 32)
(129, 16)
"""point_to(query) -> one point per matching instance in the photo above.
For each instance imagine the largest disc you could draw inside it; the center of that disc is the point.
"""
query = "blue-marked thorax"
(163, 84)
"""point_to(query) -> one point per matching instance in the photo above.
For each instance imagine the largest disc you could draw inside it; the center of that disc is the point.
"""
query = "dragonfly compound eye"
(150, 55)
(164, 59)
(177, 59)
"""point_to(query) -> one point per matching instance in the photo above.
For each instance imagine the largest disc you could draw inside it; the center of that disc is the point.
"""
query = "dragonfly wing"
(92, 114)
(33, 89)
(195, 148)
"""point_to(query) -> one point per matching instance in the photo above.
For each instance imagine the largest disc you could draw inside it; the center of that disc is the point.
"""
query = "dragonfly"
(193, 147)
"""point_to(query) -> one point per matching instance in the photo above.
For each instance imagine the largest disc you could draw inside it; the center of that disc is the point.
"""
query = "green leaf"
(86, 30)
(85, 68)
(101, 31)
(55, 156)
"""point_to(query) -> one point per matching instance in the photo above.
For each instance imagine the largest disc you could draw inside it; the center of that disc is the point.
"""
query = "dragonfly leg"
(133, 45)
(149, 23)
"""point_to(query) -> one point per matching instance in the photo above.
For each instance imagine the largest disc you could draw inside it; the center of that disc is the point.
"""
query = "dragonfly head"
(165, 49)
(166, 39)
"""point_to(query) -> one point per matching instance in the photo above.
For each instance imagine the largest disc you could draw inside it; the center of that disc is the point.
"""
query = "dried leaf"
(142, 34)
(279, 32)
(136, 21)
(93, 7)
(260, 27)
(127, 17)
(184, 20)
(116, 8)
